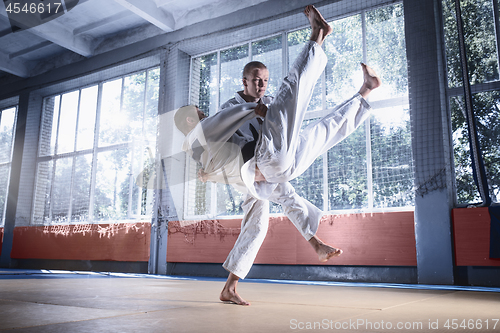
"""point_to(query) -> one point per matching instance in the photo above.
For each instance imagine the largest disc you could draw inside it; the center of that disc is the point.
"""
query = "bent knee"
(278, 172)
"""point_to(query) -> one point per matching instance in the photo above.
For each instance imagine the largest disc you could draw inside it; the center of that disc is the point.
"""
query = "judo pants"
(303, 214)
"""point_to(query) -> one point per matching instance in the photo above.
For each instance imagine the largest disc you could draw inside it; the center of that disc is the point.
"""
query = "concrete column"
(174, 92)
(431, 141)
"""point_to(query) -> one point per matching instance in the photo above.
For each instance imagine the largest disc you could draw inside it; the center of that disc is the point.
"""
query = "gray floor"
(32, 301)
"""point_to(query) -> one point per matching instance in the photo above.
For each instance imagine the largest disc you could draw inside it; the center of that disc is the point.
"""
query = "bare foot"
(327, 252)
(232, 297)
(324, 251)
(370, 80)
(320, 28)
(229, 294)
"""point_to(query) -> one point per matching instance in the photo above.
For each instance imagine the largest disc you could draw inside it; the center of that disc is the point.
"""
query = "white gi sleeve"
(221, 126)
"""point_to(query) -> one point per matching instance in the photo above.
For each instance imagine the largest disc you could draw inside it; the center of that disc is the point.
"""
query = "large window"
(370, 170)
(7, 130)
(94, 143)
(481, 22)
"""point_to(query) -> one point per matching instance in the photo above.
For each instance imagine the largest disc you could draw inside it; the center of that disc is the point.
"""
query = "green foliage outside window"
(346, 177)
(89, 156)
(482, 61)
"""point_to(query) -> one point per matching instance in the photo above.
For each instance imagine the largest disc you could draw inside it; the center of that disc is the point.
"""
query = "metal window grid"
(386, 103)
(54, 157)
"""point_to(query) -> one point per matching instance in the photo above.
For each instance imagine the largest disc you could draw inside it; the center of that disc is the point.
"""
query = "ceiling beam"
(148, 10)
(4, 21)
(5, 32)
(211, 10)
(13, 66)
(57, 33)
(30, 49)
(102, 22)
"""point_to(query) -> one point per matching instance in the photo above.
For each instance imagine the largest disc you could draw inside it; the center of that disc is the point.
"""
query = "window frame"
(94, 151)
(9, 163)
(475, 88)
(385, 103)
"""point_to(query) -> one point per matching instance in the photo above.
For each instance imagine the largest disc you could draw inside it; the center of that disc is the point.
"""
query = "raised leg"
(370, 81)
(320, 28)
(324, 251)
(301, 147)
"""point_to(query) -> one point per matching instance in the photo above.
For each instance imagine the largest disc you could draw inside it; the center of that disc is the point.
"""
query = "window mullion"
(217, 96)
(132, 157)
(73, 170)
(186, 184)
(190, 88)
(144, 107)
(325, 155)
(73, 164)
(13, 129)
(77, 119)
(94, 154)
(213, 187)
(369, 162)
(51, 201)
(58, 123)
(54, 163)
(132, 147)
(284, 54)
(326, 201)
(497, 29)
(142, 143)
(363, 36)
(213, 199)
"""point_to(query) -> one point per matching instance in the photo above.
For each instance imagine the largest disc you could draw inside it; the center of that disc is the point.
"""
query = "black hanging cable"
(478, 169)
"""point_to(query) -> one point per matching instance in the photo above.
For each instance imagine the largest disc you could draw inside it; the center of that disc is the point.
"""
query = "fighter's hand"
(202, 176)
(261, 110)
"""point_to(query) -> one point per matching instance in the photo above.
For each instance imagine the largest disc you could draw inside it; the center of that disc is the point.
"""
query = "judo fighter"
(282, 152)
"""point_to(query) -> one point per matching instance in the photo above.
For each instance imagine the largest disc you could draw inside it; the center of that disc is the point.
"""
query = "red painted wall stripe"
(114, 242)
(367, 239)
(385, 239)
(471, 229)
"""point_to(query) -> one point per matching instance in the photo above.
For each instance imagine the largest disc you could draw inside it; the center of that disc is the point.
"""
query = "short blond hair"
(251, 66)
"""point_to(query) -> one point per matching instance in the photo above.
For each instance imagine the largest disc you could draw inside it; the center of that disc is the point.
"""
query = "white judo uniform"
(303, 214)
(282, 153)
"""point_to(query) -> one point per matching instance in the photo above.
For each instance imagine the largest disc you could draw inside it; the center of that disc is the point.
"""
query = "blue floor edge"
(45, 273)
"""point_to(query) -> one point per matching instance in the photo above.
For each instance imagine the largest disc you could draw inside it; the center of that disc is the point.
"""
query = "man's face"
(256, 82)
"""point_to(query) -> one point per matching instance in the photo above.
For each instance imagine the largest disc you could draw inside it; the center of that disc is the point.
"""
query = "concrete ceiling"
(93, 27)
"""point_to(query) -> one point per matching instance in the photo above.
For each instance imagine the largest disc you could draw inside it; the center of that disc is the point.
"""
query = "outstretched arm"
(221, 126)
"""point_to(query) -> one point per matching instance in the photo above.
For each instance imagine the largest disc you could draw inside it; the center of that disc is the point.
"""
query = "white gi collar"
(237, 96)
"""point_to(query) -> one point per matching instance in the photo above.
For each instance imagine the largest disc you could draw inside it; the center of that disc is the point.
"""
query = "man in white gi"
(282, 153)
(256, 211)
